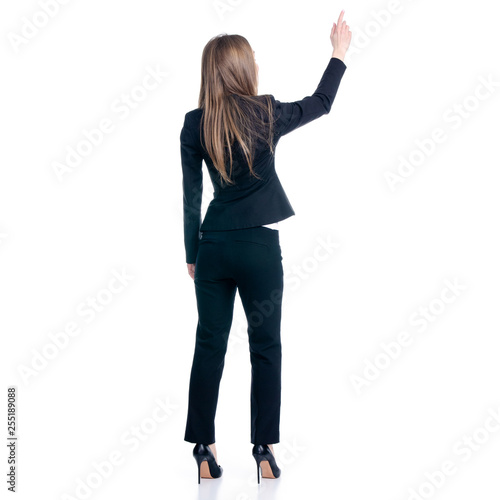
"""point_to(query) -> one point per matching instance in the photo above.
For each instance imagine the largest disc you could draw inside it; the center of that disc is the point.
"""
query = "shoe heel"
(258, 459)
(199, 461)
(261, 453)
(258, 471)
(203, 453)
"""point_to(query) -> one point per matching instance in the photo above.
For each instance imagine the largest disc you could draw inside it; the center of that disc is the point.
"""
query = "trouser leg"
(260, 285)
(215, 294)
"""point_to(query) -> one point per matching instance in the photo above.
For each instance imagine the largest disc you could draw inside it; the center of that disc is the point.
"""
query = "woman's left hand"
(191, 270)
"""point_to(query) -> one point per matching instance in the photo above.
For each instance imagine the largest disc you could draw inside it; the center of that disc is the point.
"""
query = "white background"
(409, 72)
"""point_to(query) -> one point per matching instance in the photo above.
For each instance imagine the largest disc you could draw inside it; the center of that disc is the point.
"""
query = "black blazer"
(250, 202)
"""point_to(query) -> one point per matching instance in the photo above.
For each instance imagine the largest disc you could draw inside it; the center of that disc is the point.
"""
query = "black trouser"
(248, 260)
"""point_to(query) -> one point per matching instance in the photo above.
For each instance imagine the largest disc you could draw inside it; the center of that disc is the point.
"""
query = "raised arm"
(292, 115)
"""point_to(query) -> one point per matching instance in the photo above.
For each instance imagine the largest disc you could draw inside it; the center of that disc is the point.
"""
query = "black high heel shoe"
(262, 453)
(202, 453)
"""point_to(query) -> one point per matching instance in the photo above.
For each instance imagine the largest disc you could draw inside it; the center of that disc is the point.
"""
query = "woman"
(237, 246)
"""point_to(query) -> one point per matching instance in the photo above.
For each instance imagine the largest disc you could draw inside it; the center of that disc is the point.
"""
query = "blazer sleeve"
(291, 115)
(192, 186)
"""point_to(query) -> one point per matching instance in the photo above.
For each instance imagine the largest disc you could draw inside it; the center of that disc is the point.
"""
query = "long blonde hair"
(231, 107)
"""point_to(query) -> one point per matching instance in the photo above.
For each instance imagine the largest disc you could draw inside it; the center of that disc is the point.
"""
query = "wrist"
(339, 54)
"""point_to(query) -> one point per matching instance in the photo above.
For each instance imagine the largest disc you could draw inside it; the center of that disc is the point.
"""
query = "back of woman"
(236, 247)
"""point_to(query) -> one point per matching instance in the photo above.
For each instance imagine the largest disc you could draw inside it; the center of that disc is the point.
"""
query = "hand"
(340, 37)
(191, 270)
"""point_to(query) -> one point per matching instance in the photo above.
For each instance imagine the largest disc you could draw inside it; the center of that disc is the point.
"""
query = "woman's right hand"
(340, 37)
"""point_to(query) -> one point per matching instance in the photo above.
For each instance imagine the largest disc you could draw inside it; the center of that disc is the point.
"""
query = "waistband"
(257, 233)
